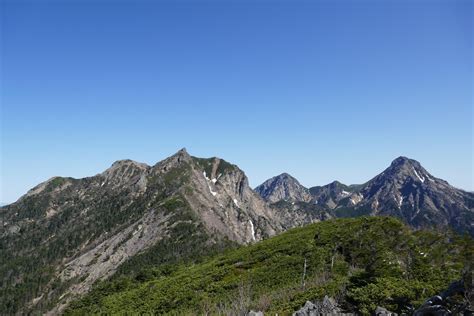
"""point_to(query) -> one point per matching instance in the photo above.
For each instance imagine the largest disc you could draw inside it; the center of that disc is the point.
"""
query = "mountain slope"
(283, 187)
(65, 234)
(365, 262)
(331, 194)
(404, 190)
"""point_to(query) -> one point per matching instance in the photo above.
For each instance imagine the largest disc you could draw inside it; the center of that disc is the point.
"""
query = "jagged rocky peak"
(403, 167)
(225, 202)
(283, 187)
(178, 159)
(406, 190)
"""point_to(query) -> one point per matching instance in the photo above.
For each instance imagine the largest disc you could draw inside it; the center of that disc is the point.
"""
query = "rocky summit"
(283, 187)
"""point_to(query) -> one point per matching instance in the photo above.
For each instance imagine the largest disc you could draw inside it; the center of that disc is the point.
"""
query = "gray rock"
(327, 306)
(380, 311)
(253, 313)
(444, 304)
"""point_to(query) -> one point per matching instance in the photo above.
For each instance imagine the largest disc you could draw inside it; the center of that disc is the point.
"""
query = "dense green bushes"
(364, 263)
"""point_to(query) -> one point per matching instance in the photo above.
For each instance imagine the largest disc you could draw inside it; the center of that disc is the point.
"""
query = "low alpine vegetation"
(362, 262)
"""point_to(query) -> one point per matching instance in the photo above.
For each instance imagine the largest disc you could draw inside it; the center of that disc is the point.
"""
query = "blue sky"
(323, 90)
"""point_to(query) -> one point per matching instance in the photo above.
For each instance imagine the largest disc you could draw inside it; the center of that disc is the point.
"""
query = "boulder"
(327, 306)
(380, 311)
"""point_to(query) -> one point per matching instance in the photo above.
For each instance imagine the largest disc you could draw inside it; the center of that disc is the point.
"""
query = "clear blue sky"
(323, 90)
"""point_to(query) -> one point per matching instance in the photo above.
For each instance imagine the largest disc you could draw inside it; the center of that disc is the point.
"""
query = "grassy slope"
(363, 262)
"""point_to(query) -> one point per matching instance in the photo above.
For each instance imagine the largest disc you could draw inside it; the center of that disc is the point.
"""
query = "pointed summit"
(182, 153)
(283, 187)
(173, 161)
(407, 190)
(400, 160)
(403, 168)
(404, 161)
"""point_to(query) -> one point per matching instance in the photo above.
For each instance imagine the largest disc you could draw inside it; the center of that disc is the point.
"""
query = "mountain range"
(65, 235)
(404, 190)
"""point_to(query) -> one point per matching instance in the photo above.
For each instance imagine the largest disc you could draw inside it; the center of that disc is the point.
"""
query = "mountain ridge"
(66, 234)
(82, 230)
(405, 190)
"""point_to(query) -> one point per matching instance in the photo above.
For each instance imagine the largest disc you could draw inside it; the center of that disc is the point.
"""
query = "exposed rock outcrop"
(327, 306)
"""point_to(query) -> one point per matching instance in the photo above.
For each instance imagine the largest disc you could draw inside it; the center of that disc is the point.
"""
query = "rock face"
(283, 187)
(224, 201)
(404, 190)
(381, 311)
(327, 306)
(65, 234)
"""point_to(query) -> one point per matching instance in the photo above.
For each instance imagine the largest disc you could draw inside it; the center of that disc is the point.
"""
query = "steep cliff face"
(66, 234)
(226, 203)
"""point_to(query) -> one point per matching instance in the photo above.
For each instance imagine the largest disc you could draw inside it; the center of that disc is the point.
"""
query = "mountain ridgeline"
(65, 236)
(404, 190)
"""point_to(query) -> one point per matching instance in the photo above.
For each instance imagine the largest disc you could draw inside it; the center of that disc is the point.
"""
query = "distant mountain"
(65, 234)
(283, 187)
(332, 194)
(404, 190)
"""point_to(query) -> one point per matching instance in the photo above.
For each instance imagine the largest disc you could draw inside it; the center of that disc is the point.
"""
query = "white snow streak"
(253, 229)
(208, 184)
(210, 190)
(421, 178)
(400, 202)
(236, 203)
